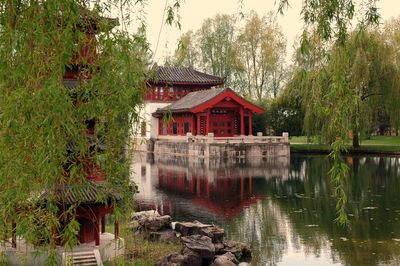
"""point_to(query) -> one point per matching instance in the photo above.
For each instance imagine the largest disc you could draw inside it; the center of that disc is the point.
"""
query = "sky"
(194, 12)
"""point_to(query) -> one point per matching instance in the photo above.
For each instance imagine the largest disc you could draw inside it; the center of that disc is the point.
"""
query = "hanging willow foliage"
(40, 117)
(328, 79)
(343, 90)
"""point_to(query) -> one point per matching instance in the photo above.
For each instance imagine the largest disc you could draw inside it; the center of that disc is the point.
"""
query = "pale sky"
(193, 12)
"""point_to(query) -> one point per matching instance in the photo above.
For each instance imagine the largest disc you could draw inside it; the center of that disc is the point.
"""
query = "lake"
(282, 207)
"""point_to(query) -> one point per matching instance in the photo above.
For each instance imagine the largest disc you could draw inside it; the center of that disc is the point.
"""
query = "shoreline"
(381, 150)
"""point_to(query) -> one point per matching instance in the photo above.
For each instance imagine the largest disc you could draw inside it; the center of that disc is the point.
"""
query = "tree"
(40, 117)
(329, 20)
(212, 48)
(285, 113)
(262, 49)
(365, 83)
(391, 35)
(186, 54)
(216, 45)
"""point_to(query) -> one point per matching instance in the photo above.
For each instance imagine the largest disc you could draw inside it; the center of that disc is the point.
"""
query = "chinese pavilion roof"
(184, 76)
(198, 101)
(89, 193)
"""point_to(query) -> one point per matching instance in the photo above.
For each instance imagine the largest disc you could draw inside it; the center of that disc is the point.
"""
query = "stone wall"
(217, 148)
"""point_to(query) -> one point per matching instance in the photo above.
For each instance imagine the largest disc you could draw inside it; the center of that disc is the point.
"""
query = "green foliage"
(262, 49)
(186, 54)
(285, 113)
(39, 117)
(331, 19)
(330, 99)
(250, 57)
(346, 91)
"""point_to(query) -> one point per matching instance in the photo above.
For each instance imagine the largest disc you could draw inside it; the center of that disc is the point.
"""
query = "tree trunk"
(356, 141)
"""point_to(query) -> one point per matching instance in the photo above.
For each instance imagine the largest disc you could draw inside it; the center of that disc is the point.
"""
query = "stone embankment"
(210, 147)
(202, 244)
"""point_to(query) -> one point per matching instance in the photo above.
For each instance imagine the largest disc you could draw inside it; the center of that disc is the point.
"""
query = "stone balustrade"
(223, 147)
(236, 139)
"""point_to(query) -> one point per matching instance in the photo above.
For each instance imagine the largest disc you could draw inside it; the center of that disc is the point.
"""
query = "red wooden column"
(152, 93)
(198, 131)
(208, 122)
(96, 232)
(241, 121)
(103, 224)
(250, 123)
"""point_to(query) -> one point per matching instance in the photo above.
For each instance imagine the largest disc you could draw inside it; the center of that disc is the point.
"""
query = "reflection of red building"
(196, 107)
(224, 196)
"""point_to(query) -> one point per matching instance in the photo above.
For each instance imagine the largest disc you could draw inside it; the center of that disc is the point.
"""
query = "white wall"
(145, 114)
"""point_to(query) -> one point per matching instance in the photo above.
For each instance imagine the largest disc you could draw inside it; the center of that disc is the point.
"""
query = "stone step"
(84, 258)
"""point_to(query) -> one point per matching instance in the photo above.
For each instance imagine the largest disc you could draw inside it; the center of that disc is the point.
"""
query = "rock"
(201, 245)
(222, 261)
(240, 250)
(175, 259)
(133, 225)
(192, 258)
(227, 259)
(219, 247)
(167, 235)
(190, 228)
(145, 214)
(243, 263)
(214, 232)
(155, 223)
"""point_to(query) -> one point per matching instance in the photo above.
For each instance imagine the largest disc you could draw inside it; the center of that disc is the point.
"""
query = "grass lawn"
(376, 144)
(139, 251)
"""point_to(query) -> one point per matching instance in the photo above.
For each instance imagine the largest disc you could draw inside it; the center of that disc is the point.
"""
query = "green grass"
(141, 252)
(382, 140)
(376, 144)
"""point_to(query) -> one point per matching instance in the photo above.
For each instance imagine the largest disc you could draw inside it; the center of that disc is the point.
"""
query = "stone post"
(210, 137)
(189, 136)
(285, 136)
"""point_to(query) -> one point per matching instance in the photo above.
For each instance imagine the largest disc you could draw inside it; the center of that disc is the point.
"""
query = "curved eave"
(227, 93)
(163, 82)
(160, 113)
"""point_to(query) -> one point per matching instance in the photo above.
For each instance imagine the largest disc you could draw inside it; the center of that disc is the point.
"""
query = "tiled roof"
(88, 193)
(184, 75)
(193, 99)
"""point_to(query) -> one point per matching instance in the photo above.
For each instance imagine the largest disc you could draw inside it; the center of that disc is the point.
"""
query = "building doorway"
(223, 124)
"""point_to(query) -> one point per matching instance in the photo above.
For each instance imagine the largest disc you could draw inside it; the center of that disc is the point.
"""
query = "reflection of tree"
(264, 226)
(283, 211)
(374, 183)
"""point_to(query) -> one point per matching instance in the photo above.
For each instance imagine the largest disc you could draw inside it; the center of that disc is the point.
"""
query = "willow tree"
(361, 77)
(391, 35)
(330, 21)
(40, 117)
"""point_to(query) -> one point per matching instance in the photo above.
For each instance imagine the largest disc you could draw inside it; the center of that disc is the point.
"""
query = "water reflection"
(284, 209)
